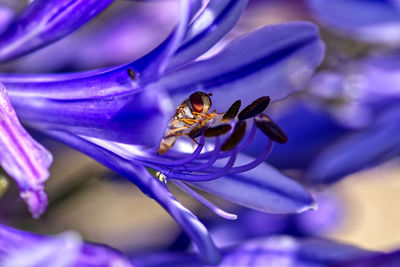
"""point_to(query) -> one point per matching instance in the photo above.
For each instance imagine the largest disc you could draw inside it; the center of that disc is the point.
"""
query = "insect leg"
(189, 121)
(178, 129)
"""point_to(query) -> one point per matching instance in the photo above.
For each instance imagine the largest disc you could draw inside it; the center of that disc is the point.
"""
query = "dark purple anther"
(217, 130)
(270, 128)
(236, 136)
(232, 111)
(254, 108)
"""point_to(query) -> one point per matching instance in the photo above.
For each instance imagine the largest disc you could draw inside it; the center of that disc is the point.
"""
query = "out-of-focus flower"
(347, 127)
(114, 35)
(118, 115)
(360, 149)
(23, 249)
(43, 22)
(370, 21)
(342, 125)
(282, 251)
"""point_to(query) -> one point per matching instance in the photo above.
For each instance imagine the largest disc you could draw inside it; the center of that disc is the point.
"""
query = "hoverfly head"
(200, 102)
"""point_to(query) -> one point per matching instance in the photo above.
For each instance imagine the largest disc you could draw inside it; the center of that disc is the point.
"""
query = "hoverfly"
(192, 118)
(189, 119)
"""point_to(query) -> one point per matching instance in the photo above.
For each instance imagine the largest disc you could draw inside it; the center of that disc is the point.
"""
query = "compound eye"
(196, 100)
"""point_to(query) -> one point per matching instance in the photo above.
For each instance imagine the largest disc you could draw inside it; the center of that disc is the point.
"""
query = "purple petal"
(19, 248)
(187, 220)
(396, 3)
(383, 259)
(72, 86)
(287, 251)
(101, 255)
(45, 21)
(262, 188)
(122, 113)
(378, 77)
(139, 117)
(138, 175)
(372, 79)
(129, 34)
(274, 60)
(6, 15)
(216, 20)
(329, 216)
(309, 128)
(23, 158)
(254, 224)
(359, 150)
(157, 60)
(373, 21)
(271, 251)
(149, 67)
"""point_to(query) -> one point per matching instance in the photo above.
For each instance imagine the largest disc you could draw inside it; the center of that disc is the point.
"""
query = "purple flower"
(348, 120)
(20, 248)
(357, 150)
(23, 158)
(119, 115)
(41, 22)
(376, 21)
(281, 251)
(114, 36)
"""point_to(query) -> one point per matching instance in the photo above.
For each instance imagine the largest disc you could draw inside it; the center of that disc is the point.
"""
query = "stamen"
(232, 111)
(217, 130)
(192, 167)
(241, 147)
(236, 136)
(270, 128)
(163, 161)
(212, 160)
(205, 202)
(254, 108)
(249, 139)
(197, 178)
(196, 165)
(256, 162)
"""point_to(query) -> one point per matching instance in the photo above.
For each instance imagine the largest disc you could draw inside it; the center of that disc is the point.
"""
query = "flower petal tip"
(36, 201)
(312, 207)
(230, 216)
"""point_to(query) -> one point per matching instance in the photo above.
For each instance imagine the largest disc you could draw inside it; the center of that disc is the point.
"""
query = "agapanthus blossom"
(368, 21)
(119, 115)
(364, 83)
(20, 248)
(281, 251)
